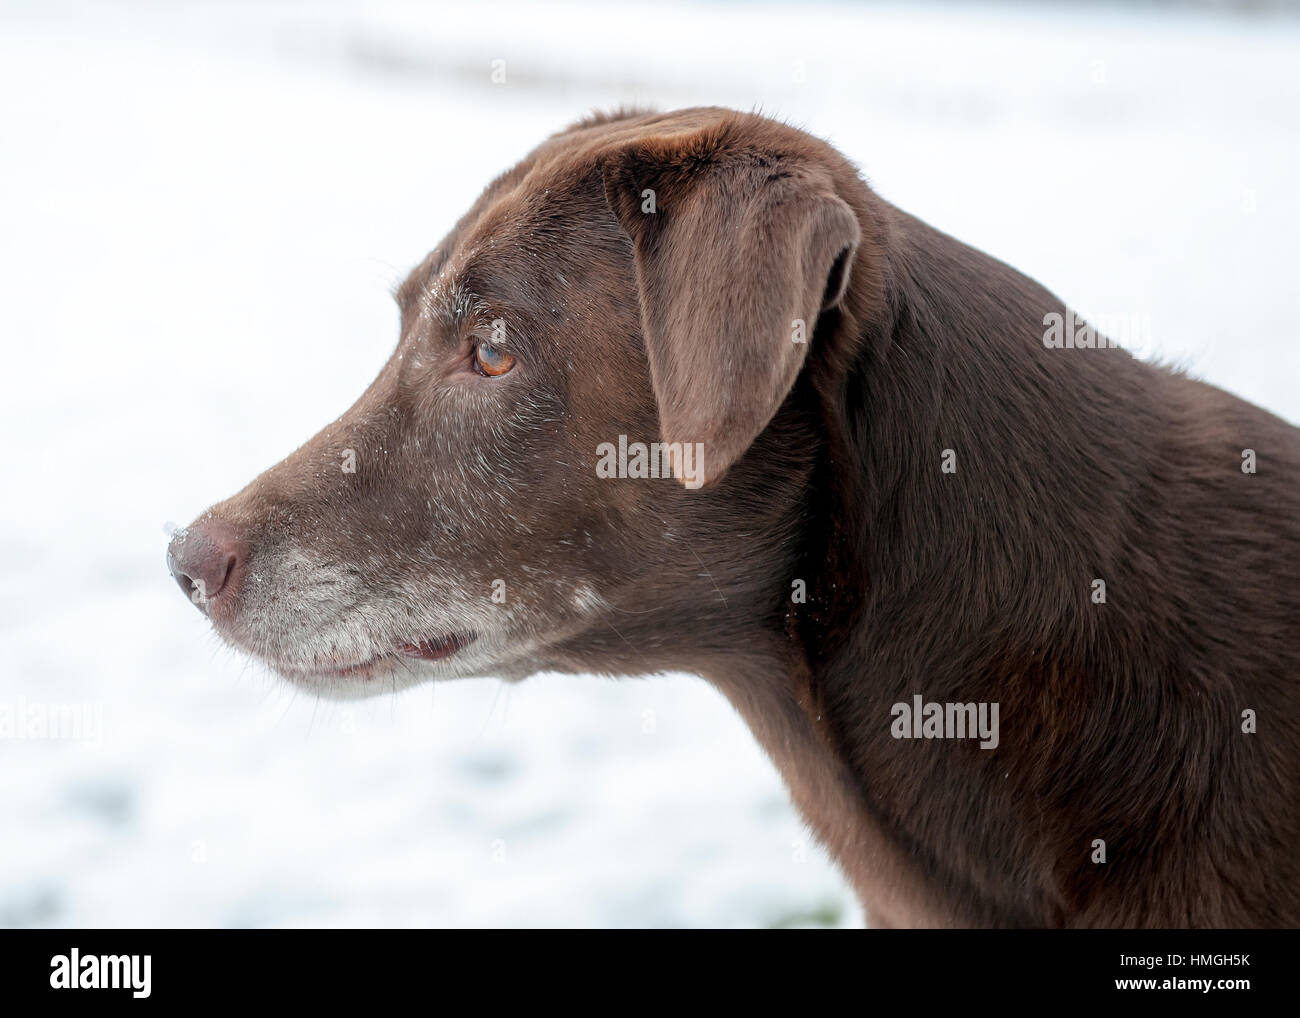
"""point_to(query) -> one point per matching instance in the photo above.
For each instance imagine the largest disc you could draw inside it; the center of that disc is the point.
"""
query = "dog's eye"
(491, 361)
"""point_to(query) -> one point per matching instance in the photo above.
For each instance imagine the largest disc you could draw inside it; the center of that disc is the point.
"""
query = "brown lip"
(434, 650)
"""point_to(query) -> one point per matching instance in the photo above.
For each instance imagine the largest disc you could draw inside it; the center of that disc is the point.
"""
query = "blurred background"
(203, 209)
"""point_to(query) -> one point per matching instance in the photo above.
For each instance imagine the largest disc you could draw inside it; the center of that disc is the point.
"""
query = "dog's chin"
(409, 664)
(357, 682)
(379, 679)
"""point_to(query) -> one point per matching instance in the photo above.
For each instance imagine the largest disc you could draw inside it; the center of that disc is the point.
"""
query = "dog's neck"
(922, 573)
(816, 701)
(770, 685)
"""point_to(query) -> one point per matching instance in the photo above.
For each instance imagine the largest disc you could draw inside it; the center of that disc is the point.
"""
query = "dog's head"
(561, 461)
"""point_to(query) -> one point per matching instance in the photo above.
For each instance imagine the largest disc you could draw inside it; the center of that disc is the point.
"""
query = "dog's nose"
(205, 560)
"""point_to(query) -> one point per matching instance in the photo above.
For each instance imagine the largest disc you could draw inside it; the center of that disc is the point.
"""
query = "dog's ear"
(737, 253)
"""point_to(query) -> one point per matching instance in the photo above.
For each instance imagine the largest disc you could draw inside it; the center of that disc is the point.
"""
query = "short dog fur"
(945, 488)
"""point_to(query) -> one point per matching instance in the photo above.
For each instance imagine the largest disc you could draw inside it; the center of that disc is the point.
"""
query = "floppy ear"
(737, 254)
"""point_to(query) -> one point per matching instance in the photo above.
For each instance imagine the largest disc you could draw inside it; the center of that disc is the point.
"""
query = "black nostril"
(182, 581)
(186, 585)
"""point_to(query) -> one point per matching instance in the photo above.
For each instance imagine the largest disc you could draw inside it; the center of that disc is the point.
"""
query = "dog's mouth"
(421, 650)
(434, 650)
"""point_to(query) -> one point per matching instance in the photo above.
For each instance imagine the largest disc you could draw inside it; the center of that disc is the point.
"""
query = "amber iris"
(491, 360)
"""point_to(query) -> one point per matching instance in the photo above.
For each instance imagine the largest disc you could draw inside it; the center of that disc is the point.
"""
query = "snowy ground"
(202, 210)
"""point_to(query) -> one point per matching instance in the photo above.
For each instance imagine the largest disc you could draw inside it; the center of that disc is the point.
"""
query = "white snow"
(202, 209)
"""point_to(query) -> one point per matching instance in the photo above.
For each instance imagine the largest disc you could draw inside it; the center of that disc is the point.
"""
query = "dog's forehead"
(537, 214)
(512, 233)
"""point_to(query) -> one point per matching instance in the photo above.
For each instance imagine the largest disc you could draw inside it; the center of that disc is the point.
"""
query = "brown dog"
(1016, 615)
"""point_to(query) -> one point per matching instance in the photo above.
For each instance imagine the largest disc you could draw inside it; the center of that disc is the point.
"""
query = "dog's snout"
(205, 560)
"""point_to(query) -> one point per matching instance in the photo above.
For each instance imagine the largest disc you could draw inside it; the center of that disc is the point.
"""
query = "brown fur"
(1120, 721)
